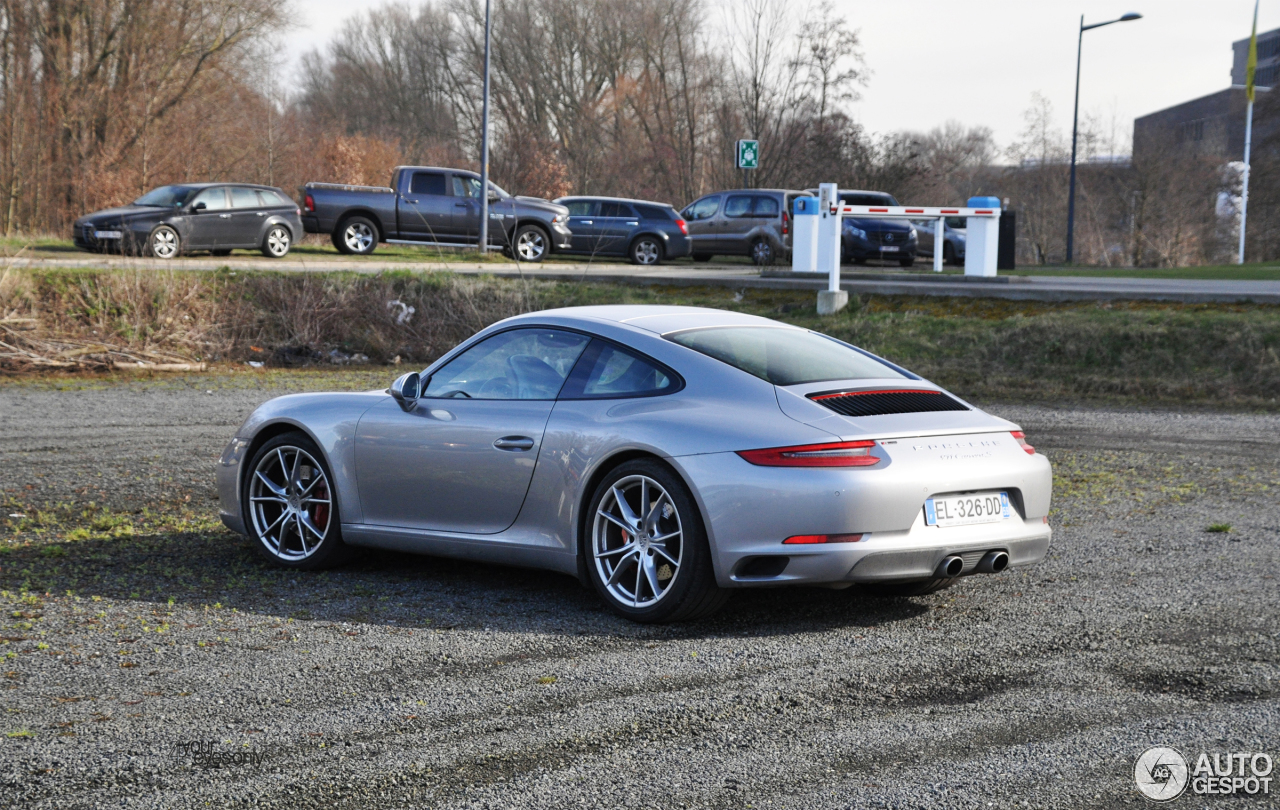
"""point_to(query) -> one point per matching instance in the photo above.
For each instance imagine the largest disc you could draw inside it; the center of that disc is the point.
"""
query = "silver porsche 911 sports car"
(664, 454)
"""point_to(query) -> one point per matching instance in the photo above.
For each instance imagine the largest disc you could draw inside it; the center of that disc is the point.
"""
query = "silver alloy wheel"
(290, 503)
(164, 243)
(358, 237)
(278, 241)
(531, 245)
(637, 541)
(646, 252)
(762, 252)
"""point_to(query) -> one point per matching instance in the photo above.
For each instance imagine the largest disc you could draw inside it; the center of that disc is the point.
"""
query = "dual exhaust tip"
(993, 562)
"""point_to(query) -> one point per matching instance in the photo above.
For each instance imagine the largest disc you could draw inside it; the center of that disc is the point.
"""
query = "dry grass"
(985, 349)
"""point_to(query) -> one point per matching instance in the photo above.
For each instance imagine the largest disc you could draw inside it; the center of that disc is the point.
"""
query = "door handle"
(411, 202)
(514, 443)
(224, 216)
(459, 205)
(262, 213)
(587, 222)
(633, 223)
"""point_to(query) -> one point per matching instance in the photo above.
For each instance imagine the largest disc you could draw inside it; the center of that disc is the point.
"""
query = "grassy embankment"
(988, 350)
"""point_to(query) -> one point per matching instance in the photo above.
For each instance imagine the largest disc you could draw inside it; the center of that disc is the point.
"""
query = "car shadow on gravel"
(218, 569)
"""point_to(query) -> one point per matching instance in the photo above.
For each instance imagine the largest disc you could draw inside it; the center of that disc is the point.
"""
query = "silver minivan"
(747, 222)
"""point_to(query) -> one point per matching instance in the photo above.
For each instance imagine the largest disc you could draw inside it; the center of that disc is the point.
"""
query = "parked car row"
(442, 207)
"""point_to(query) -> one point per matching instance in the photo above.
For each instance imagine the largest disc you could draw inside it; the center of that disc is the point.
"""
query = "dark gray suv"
(645, 232)
(748, 222)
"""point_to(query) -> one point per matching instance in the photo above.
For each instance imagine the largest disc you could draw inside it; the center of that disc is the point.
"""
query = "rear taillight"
(310, 204)
(1022, 440)
(684, 228)
(834, 454)
(786, 224)
(806, 539)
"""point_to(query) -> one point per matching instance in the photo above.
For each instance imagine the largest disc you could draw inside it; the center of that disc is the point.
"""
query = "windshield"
(166, 197)
(784, 356)
(957, 223)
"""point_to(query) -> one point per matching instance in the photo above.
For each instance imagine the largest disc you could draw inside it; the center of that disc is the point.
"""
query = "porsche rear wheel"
(291, 509)
(646, 550)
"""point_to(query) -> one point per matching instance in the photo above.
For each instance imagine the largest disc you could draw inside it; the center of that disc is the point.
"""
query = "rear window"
(783, 356)
(868, 199)
(431, 184)
(656, 212)
(766, 207)
(271, 198)
(614, 209)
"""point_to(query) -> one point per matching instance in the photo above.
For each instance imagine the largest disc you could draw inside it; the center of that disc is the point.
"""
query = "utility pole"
(484, 136)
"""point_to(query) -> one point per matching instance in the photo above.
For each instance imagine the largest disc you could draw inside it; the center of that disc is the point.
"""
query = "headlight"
(855, 232)
(912, 233)
(558, 218)
(960, 236)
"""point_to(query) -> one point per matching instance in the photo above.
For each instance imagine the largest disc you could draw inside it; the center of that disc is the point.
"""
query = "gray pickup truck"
(431, 206)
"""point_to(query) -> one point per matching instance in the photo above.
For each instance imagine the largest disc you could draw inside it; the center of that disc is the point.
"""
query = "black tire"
(762, 253)
(702, 257)
(330, 550)
(907, 261)
(277, 242)
(356, 236)
(164, 243)
(221, 252)
(913, 587)
(531, 243)
(948, 254)
(646, 250)
(691, 592)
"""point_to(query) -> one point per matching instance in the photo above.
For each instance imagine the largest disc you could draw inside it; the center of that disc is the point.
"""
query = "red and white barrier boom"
(981, 239)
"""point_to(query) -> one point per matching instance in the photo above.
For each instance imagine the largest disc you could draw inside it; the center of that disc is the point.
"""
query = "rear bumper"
(312, 225)
(678, 247)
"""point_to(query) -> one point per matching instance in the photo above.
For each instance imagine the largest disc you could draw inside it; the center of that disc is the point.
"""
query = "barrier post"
(939, 242)
(982, 237)
(833, 299)
(804, 235)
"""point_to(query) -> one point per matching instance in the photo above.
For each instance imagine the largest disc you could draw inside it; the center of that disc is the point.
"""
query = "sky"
(978, 63)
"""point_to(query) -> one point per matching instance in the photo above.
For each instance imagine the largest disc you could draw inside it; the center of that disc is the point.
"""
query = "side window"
(614, 209)
(738, 206)
(244, 197)
(466, 187)
(214, 199)
(429, 183)
(580, 208)
(274, 199)
(703, 209)
(656, 212)
(617, 373)
(520, 364)
(765, 207)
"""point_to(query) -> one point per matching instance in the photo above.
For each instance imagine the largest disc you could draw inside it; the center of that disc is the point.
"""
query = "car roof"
(654, 318)
(753, 190)
(212, 185)
(611, 199)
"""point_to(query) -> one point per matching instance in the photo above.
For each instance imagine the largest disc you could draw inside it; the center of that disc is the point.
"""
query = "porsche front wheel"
(291, 509)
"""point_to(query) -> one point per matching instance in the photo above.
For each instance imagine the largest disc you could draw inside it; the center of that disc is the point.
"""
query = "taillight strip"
(830, 454)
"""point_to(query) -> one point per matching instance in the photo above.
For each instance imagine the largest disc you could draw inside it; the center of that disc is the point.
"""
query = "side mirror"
(198, 207)
(494, 198)
(405, 390)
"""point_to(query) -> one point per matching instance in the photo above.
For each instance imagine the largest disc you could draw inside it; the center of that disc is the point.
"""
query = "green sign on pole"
(748, 154)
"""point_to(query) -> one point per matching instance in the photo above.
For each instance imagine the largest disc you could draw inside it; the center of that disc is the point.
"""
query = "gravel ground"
(134, 626)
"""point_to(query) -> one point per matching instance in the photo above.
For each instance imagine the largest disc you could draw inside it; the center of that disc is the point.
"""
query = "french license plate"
(888, 248)
(106, 234)
(966, 510)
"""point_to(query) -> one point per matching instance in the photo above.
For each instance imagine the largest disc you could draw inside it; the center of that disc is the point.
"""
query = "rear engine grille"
(882, 403)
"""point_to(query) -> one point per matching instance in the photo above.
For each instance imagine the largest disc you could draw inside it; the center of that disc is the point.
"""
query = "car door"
(738, 222)
(247, 218)
(462, 459)
(582, 222)
(426, 208)
(210, 225)
(618, 221)
(700, 219)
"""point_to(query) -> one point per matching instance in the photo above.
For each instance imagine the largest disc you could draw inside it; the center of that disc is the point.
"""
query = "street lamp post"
(1075, 121)
(484, 138)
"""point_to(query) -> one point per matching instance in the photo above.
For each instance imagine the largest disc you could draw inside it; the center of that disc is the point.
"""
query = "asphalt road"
(417, 682)
(870, 281)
